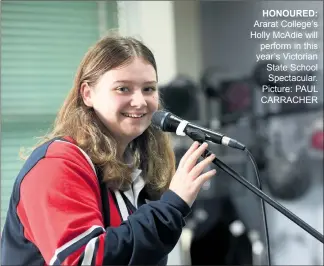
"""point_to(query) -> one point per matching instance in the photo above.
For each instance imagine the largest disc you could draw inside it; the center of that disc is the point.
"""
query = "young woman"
(102, 189)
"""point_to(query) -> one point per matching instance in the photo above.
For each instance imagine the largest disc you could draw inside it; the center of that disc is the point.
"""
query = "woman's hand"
(188, 179)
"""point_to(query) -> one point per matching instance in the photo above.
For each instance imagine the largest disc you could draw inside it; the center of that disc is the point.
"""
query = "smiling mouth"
(133, 115)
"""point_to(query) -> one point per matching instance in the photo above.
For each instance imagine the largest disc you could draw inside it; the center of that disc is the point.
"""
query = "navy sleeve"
(149, 234)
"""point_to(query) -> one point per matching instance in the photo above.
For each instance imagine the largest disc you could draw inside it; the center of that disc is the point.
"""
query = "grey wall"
(225, 29)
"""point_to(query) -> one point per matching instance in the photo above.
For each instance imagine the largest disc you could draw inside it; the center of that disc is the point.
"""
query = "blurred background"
(208, 74)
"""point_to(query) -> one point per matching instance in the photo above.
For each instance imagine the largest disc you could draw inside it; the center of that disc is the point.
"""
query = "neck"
(121, 151)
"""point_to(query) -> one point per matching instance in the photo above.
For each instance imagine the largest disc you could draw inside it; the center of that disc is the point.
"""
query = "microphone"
(169, 122)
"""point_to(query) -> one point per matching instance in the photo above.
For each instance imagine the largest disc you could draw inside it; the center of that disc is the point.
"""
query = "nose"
(138, 100)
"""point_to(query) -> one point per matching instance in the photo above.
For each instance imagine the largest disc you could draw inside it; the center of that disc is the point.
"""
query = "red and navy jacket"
(61, 213)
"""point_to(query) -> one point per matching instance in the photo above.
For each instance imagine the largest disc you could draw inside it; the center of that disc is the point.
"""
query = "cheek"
(155, 102)
(110, 105)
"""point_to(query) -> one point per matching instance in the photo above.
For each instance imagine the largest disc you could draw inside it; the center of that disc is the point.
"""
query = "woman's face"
(125, 99)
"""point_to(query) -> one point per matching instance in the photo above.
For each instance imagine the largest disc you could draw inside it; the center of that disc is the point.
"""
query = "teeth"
(133, 116)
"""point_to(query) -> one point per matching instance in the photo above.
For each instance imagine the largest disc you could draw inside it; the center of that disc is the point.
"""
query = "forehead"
(137, 71)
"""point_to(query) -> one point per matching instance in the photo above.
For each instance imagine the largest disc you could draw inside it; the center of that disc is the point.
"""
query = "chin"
(136, 132)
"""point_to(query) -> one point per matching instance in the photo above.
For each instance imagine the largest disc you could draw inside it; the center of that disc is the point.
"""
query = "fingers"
(192, 148)
(202, 165)
(192, 159)
(200, 180)
(188, 179)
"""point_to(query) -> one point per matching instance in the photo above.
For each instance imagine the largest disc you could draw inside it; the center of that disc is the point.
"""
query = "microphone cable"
(257, 174)
(200, 136)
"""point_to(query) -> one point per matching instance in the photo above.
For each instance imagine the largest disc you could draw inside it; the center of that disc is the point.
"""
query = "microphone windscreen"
(158, 118)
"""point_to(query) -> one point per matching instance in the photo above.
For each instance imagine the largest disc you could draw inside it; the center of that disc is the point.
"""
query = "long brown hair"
(152, 150)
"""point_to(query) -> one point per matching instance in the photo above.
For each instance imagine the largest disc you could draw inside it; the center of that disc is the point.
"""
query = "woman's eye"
(149, 89)
(123, 89)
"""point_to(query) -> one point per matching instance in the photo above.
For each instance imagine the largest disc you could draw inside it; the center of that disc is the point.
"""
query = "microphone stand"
(198, 135)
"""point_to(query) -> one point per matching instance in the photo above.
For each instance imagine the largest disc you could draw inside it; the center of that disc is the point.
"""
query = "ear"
(86, 94)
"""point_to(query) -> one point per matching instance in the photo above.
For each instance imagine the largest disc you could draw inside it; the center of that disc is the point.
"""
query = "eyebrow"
(129, 81)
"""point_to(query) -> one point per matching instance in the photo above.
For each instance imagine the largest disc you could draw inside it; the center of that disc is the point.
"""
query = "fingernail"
(207, 153)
